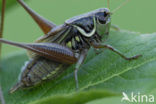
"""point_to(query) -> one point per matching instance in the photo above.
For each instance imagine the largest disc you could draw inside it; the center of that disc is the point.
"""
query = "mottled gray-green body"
(37, 70)
(63, 45)
(77, 34)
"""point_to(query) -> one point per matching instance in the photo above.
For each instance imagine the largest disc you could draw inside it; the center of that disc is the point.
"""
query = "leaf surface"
(106, 71)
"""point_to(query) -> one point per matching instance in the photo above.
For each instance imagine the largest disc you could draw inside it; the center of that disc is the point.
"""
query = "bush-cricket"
(63, 45)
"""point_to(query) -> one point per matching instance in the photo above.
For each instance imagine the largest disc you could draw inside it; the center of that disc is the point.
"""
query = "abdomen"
(37, 70)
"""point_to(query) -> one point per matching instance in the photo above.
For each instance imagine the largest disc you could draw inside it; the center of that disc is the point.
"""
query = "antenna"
(2, 18)
(2, 21)
(108, 4)
(120, 6)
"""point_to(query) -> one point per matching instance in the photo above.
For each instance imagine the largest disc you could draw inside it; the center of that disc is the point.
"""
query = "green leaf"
(106, 72)
(109, 100)
(117, 100)
(76, 98)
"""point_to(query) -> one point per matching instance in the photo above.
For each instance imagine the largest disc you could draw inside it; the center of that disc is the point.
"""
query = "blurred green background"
(137, 15)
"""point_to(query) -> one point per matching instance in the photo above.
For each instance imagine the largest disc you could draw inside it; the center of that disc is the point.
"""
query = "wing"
(53, 36)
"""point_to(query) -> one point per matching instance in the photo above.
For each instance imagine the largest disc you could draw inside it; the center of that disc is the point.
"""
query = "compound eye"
(102, 21)
(101, 17)
(105, 14)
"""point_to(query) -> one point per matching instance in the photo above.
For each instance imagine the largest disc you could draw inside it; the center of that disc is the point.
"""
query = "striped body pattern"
(77, 34)
(62, 45)
(80, 31)
(36, 71)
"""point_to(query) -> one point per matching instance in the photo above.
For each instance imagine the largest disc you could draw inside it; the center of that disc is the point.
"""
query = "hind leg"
(43, 23)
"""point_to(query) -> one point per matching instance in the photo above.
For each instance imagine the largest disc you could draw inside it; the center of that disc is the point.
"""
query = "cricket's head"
(94, 22)
(103, 21)
(102, 15)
